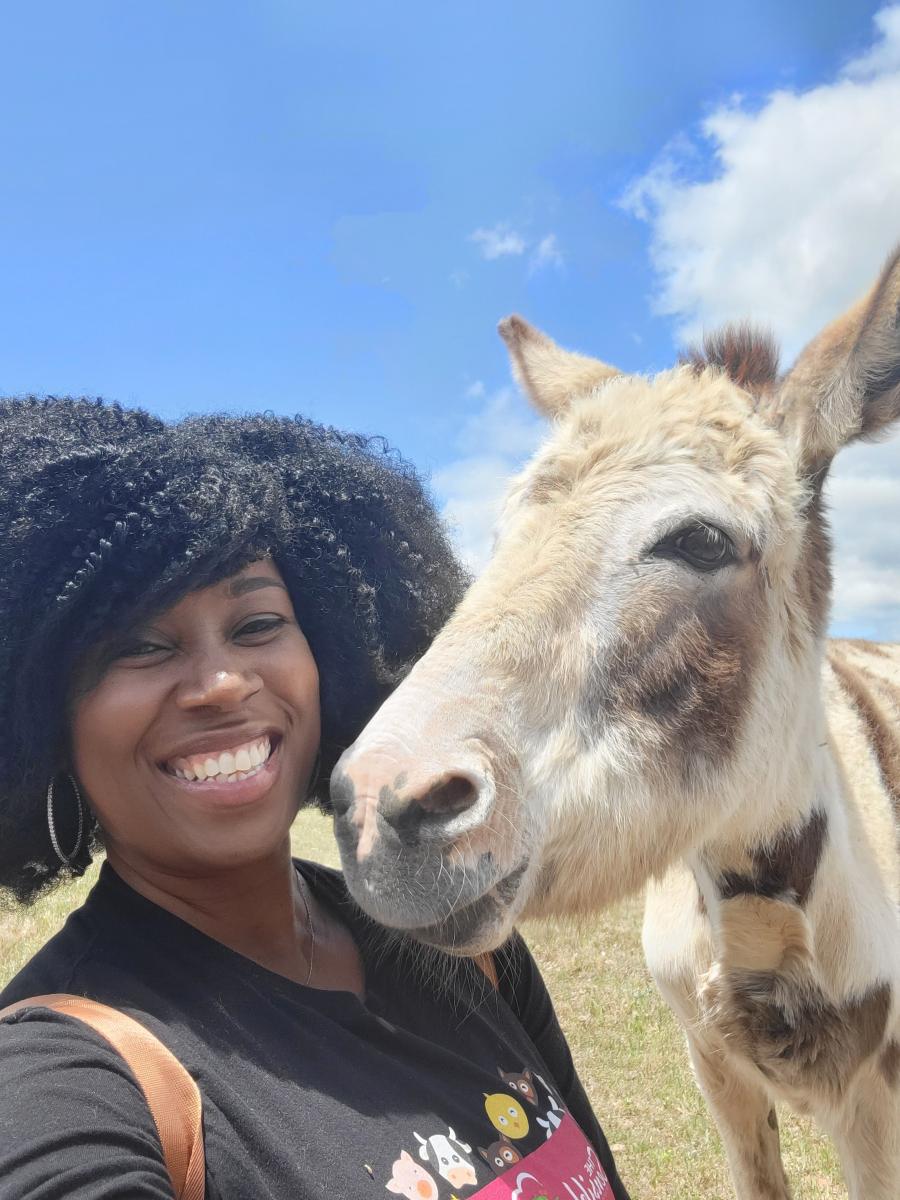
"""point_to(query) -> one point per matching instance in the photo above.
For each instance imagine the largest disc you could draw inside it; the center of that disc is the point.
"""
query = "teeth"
(227, 767)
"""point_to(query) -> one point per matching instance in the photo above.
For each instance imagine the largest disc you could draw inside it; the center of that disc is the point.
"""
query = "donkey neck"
(772, 845)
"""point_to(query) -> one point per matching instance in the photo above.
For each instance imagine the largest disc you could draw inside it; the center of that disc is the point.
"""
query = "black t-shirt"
(434, 1087)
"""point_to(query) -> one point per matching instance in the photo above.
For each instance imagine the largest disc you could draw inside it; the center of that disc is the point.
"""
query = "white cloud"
(493, 443)
(499, 242)
(884, 56)
(546, 254)
(864, 497)
(801, 209)
(475, 390)
(502, 241)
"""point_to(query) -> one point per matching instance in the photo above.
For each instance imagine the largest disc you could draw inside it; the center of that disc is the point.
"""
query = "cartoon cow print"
(522, 1084)
(500, 1155)
(552, 1118)
(411, 1180)
(506, 1115)
(446, 1154)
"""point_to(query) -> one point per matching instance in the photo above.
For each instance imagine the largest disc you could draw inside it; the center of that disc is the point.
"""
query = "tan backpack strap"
(485, 963)
(172, 1095)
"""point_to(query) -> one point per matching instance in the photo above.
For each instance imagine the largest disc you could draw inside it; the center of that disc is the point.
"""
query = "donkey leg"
(747, 1123)
(868, 1137)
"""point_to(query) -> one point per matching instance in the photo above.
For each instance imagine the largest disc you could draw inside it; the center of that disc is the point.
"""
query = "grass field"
(627, 1046)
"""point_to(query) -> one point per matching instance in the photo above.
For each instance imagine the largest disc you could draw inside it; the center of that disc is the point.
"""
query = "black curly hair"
(108, 515)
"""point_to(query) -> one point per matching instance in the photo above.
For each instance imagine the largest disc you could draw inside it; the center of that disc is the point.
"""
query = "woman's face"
(196, 738)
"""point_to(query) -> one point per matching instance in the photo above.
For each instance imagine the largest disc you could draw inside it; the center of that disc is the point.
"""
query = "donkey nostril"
(454, 795)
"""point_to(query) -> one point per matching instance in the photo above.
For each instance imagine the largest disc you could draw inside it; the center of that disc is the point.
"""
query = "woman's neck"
(262, 910)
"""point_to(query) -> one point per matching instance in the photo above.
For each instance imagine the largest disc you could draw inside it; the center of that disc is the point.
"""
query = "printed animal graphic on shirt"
(446, 1154)
(506, 1114)
(522, 1084)
(552, 1118)
(409, 1179)
(500, 1155)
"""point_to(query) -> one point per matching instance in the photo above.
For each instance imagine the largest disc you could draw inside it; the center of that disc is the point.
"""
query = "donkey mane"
(749, 356)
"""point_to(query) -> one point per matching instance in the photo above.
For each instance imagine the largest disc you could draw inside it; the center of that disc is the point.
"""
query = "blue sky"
(326, 210)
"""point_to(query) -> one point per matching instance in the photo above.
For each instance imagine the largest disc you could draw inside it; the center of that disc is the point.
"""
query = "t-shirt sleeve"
(523, 988)
(74, 1122)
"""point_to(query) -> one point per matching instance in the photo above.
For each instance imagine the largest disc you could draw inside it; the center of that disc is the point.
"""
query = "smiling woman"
(195, 620)
(198, 739)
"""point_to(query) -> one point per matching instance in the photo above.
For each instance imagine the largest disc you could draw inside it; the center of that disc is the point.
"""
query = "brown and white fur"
(639, 688)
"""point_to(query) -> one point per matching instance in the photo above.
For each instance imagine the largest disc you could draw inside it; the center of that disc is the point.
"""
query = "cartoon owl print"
(522, 1085)
(500, 1155)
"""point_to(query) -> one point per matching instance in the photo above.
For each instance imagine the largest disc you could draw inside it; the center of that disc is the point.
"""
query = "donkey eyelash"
(675, 545)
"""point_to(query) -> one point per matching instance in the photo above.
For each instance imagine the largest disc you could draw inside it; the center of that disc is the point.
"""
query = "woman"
(194, 621)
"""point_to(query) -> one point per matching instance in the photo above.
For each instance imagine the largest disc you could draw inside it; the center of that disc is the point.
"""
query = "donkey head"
(636, 671)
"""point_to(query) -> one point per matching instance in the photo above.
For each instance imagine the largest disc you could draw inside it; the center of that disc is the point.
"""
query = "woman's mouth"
(239, 762)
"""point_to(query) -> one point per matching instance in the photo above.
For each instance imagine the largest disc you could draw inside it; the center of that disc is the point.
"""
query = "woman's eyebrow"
(252, 583)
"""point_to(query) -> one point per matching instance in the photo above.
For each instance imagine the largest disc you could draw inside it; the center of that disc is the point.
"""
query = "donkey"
(639, 690)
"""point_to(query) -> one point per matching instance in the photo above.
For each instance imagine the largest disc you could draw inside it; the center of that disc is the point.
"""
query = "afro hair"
(108, 515)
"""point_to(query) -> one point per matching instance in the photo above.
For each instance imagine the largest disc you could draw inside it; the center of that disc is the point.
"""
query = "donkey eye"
(701, 546)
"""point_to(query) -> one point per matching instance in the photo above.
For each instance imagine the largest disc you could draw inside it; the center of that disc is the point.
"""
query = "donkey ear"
(846, 383)
(549, 375)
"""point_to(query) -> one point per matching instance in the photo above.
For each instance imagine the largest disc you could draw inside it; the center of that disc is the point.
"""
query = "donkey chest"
(785, 1027)
(752, 989)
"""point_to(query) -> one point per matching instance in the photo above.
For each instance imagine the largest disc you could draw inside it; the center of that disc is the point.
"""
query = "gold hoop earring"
(66, 859)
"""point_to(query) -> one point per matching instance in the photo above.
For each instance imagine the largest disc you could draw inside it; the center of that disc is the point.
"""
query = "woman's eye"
(701, 546)
(140, 650)
(259, 626)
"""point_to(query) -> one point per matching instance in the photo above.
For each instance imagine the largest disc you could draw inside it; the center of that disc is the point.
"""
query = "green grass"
(629, 1051)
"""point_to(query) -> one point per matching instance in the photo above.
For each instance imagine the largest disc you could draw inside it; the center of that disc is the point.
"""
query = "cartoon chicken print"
(411, 1180)
(523, 1083)
(506, 1114)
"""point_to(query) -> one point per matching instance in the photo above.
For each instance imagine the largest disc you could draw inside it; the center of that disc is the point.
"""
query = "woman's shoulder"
(69, 1103)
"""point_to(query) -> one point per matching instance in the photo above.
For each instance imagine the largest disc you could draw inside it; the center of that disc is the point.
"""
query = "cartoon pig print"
(409, 1179)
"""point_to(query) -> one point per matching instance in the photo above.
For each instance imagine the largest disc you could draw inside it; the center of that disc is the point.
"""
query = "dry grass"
(629, 1051)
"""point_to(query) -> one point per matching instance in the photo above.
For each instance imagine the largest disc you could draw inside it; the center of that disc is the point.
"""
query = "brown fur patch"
(889, 1063)
(748, 356)
(878, 724)
(794, 1034)
(813, 574)
(683, 676)
(785, 868)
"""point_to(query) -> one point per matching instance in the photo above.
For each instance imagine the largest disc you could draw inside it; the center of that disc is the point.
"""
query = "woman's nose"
(223, 687)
